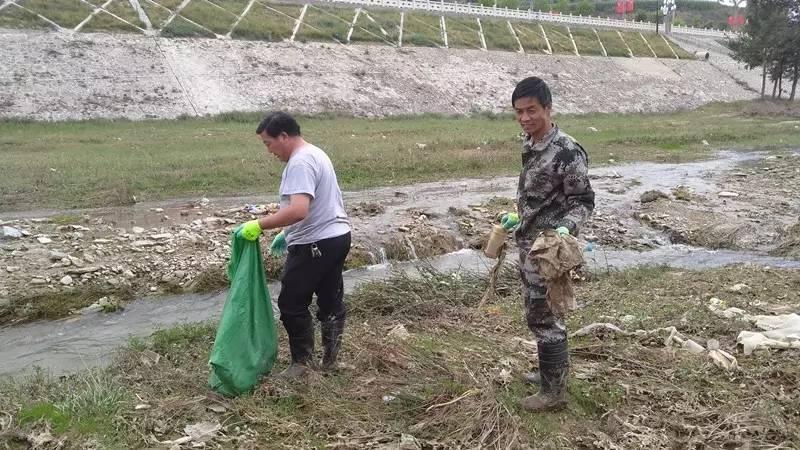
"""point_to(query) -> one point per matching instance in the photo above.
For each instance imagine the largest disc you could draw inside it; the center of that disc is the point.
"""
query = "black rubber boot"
(553, 370)
(332, 330)
(301, 347)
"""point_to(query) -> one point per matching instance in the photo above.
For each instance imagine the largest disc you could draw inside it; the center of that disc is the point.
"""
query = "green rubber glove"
(278, 246)
(509, 221)
(249, 230)
(562, 231)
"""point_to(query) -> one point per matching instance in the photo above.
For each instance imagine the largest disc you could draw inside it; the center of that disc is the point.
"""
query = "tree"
(562, 6)
(585, 8)
(771, 40)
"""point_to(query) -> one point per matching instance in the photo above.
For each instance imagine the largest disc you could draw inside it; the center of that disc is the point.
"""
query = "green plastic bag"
(247, 341)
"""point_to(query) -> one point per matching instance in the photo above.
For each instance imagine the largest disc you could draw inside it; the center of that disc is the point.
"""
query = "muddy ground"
(65, 261)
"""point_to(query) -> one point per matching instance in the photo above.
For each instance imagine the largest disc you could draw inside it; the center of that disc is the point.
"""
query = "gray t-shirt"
(310, 171)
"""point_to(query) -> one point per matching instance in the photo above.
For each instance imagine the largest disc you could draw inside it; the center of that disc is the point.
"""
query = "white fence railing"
(523, 14)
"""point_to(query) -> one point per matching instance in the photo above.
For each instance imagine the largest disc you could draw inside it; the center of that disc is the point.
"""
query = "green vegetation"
(530, 36)
(275, 22)
(422, 30)
(216, 19)
(377, 26)
(586, 41)
(455, 380)
(614, 45)
(559, 39)
(263, 23)
(66, 13)
(324, 23)
(498, 36)
(99, 163)
(463, 32)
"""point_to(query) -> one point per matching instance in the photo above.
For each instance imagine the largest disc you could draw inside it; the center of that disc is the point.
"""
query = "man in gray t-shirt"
(317, 233)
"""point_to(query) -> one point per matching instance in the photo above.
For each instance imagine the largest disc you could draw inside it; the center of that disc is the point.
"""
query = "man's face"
(532, 116)
(278, 145)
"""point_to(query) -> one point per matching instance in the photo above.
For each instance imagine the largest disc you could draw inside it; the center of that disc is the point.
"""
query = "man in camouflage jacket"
(554, 193)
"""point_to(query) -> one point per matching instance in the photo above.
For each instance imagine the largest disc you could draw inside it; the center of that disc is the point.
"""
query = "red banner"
(629, 6)
(620, 7)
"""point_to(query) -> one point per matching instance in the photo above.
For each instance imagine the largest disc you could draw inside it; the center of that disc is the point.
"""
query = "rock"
(137, 230)
(11, 233)
(204, 201)
(12, 269)
(179, 274)
(399, 333)
(185, 213)
(38, 281)
(57, 256)
(421, 146)
(141, 406)
(102, 241)
(705, 143)
(593, 129)
(44, 240)
(409, 442)
(738, 287)
(66, 280)
(144, 243)
(162, 236)
(157, 210)
(82, 270)
(153, 289)
(128, 274)
(651, 196)
(726, 194)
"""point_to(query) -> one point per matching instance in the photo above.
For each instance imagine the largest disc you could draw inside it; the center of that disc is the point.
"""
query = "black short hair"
(533, 87)
(278, 122)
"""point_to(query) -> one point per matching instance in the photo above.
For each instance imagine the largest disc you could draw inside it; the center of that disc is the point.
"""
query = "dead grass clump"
(790, 242)
(57, 304)
(428, 293)
(421, 242)
(723, 235)
(211, 279)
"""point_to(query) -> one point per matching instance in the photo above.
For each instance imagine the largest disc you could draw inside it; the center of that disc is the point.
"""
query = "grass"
(530, 36)
(498, 36)
(262, 23)
(454, 382)
(155, 13)
(614, 45)
(586, 41)
(13, 17)
(66, 13)
(324, 24)
(100, 163)
(421, 30)
(637, 45)
(182, 28)
(559, 39)
(463, 33)
(218, 20)
(383, 28)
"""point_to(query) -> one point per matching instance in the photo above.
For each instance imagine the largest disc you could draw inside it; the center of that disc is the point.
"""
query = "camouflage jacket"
(554, 188)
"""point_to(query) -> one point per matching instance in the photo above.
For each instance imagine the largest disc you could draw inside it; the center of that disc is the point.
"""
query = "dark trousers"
(305, 275)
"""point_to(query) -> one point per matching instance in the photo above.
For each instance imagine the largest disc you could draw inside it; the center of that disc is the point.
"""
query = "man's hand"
(278, 246)
(249, 230)
(509, 221)
(562, 231)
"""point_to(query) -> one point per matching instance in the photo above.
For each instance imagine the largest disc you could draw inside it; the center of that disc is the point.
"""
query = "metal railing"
(523, 14)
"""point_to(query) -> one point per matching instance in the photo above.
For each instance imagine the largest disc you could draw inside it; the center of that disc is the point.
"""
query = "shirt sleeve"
(300, 179)
(578, 191)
